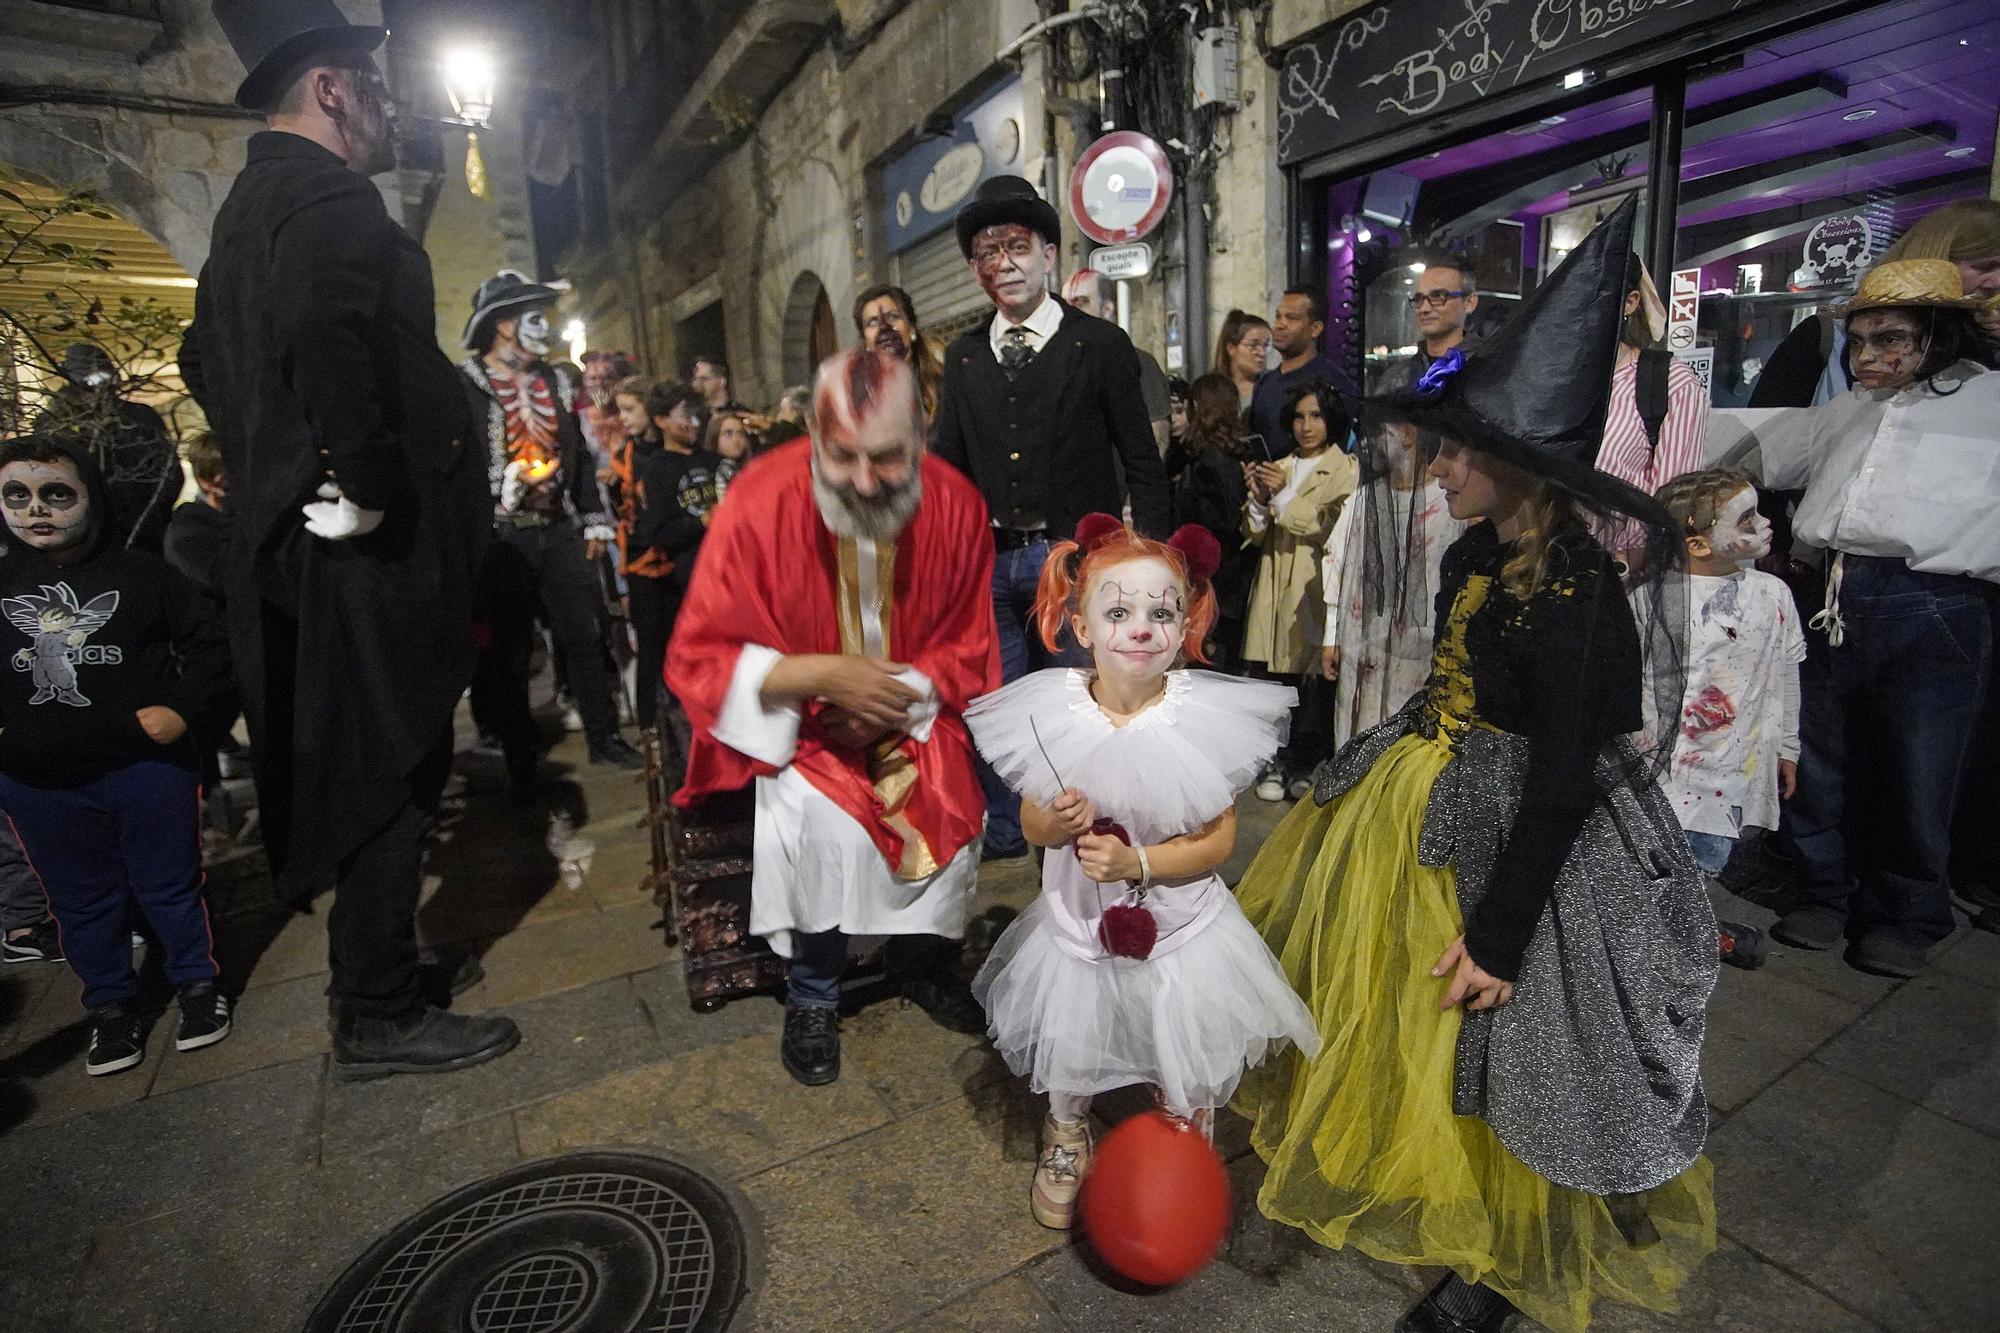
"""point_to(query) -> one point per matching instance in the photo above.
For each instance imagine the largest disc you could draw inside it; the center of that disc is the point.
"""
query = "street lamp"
(470, 79)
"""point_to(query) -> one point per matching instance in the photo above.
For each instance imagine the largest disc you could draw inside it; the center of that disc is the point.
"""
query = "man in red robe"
(839, 621)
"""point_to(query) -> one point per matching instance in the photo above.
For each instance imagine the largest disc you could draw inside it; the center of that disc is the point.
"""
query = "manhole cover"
(590, 1243)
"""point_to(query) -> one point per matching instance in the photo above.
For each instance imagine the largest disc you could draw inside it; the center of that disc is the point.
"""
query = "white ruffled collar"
(1159, 713)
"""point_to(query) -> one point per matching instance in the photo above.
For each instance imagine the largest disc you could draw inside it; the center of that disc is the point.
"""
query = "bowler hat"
(507, 290)
(278, 39)
(1001, 199)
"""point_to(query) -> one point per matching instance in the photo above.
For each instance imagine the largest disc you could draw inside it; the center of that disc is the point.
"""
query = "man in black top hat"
(359, 514)
(1041, 405)
(550, 527)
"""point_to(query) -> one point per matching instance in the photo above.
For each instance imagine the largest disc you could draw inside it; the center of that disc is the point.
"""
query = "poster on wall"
(1388, 66)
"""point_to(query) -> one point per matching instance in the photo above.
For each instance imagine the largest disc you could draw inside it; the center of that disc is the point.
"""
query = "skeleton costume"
(1546, 1150)
(546, 506)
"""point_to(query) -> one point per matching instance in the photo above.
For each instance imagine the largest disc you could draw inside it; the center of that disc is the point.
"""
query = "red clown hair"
(1103, 542)
(854, 386)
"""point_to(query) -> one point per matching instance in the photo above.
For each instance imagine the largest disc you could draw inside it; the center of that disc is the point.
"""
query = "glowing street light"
(471, 79)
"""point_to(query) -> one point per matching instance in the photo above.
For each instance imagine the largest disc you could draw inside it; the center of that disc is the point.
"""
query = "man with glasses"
(1041, 405)
(1442, 298)
(1296, 326)
(359, 514)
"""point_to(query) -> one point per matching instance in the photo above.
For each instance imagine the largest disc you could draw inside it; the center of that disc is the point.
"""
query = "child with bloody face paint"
(1135, 964)
(1736, 749)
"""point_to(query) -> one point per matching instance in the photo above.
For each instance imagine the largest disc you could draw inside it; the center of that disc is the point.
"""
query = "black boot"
(443, 981)
(1457, 1306)
(426, 1041)
(613, 752)
(946, 999)
(810, 1048)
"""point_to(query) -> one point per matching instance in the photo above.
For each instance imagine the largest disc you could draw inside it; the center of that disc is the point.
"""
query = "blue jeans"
(1886, 726)
(1711, 850)
(819, 961)
(130, 836)
(1016, 574)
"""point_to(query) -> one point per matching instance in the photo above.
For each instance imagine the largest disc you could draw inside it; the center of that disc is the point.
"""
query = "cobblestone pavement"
(1857, 1144)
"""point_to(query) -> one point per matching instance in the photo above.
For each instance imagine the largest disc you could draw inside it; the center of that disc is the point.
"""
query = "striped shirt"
(1626, 452)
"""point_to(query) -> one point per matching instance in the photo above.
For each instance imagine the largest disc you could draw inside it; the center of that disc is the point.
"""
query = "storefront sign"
(923, 189)
(1123, 261)
(1387, 65)
(1837, 250)
(1683, 310)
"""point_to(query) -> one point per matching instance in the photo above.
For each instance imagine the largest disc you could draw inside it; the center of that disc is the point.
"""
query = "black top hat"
(1007, 199)
(1536, 393)
(507, 290)
(277, 39)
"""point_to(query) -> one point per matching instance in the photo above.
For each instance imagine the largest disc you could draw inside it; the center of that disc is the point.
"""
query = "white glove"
(512, 488)
(336, 518)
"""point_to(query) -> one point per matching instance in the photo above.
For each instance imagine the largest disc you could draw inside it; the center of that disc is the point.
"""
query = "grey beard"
(875, 522)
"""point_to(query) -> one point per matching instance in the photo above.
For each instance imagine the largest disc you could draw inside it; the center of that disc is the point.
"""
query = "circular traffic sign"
(1120, 188)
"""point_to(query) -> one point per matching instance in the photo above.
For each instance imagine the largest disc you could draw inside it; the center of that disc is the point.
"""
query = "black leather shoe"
(1427, 1316)
(429, 1041)
(947, 1000)
(810, 1047)
(442, 981)
(612, 752)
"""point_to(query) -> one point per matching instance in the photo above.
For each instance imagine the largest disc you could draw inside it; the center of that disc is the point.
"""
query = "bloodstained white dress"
(1210, 1001)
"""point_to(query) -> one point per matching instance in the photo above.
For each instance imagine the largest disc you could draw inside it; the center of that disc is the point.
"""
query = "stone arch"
(809, 333)
(176, 207)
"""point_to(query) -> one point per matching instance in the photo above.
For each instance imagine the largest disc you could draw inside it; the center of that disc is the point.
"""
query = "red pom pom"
(1199, 548)
(1156, 1202)
(1094, 529)
(1128, 932)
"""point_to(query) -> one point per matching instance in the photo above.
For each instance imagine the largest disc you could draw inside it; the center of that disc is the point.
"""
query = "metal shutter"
(934, 273)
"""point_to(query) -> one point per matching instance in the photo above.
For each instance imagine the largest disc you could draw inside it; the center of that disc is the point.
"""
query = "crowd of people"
(1532, 637)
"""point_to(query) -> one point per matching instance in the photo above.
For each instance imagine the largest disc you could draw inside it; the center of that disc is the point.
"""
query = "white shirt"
(1740, 713)
(1040, 326)
(1911, 475)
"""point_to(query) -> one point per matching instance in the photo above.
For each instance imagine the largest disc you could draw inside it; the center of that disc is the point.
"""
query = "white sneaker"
(1272, 788)
(572, 720)
(1300, 787)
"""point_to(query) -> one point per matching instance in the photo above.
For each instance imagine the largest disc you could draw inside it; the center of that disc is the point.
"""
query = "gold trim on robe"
(866, 583)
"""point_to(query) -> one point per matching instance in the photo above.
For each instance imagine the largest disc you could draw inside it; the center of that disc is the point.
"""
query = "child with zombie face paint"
(1135, 964)
(120, 660)
(1737, 746)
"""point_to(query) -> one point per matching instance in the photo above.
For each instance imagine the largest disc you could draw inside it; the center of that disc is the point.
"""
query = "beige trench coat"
(1287, 614)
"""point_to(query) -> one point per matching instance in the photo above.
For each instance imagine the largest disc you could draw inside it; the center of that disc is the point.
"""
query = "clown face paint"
(1740, 532)
(1134, 619)
(1012, 264)
(46, 505)
(534, 333)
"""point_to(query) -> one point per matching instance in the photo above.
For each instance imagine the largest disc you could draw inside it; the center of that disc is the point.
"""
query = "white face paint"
(1740, 532)
(534, 333)
(1135, 619)
(46, 505)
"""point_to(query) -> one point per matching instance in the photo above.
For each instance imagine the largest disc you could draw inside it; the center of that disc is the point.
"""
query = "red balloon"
(1156, 1202)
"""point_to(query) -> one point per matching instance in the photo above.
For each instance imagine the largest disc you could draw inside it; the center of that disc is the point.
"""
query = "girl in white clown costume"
(1134, 965)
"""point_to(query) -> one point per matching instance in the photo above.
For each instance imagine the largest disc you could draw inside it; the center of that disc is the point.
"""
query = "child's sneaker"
(115, 1043)
(36, 944)
(1271, 786)
(1741, 946)
(1059, 1173)
(204, 1016)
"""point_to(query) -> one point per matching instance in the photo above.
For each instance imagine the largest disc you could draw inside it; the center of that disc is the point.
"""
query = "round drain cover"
(589, 1243)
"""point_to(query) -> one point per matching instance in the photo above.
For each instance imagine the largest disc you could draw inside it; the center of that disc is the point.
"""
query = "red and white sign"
(1121, 188)
(1683, 310)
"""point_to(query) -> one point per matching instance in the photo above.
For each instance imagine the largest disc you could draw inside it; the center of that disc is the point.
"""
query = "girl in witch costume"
(1135, 964)
(1488, 904)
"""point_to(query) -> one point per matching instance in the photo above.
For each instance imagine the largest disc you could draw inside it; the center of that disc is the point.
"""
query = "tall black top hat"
(1536, 393)
(507, 290)
(278, 39)
(1007, 199)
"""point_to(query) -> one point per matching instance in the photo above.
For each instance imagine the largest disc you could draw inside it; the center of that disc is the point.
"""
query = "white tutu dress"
(1210, 1001)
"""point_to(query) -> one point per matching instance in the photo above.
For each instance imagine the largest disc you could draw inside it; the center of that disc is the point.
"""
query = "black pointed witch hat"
(1536, 393)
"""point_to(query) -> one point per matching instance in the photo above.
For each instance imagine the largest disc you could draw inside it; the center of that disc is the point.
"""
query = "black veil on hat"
(278, 39)
(1536, 393)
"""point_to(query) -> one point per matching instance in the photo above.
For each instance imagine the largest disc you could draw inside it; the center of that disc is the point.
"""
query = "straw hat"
(1930, 284)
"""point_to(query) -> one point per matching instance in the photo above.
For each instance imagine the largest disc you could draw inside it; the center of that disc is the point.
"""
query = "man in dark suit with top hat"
(359, 514)
(1041, 407)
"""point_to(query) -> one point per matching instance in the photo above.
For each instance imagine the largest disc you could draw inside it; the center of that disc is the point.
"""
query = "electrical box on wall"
(1216, 81)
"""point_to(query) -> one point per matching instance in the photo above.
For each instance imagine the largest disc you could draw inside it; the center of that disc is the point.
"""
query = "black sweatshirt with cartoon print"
(91, 641)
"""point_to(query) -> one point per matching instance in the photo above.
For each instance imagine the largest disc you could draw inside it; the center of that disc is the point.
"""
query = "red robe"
(768, 574)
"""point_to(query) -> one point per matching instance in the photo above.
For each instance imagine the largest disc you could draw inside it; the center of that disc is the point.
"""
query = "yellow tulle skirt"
(1360, 1142)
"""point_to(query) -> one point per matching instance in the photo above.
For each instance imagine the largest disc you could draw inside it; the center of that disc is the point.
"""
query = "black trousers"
(530, 570)
(655, 602)
(372, 925)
